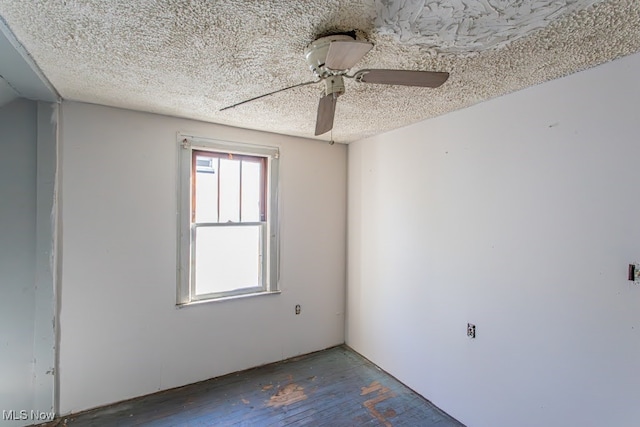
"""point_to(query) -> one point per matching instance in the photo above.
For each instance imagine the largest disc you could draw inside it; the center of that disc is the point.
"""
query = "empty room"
(340, 213)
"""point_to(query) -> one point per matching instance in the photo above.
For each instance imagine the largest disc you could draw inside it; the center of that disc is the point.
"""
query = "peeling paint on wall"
(467, 26)
(53, 215)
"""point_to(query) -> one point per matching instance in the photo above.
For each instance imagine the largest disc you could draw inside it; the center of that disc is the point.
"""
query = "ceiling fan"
(330, 59)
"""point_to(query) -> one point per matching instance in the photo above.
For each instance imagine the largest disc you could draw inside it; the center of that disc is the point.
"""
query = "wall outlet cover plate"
(471, 330)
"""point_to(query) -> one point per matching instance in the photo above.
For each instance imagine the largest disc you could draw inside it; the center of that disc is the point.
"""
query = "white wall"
(519, 215)
(17, 252)
(121, 335)
(27, 181)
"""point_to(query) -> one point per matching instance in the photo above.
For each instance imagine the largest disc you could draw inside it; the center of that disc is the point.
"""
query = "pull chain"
(331, 142)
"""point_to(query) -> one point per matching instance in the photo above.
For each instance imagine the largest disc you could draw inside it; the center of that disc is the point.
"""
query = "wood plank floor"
(333, 387)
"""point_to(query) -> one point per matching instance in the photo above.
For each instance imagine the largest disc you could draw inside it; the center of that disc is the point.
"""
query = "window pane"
(229, 190)
(227, 258)
(251, 177)
(206, 189)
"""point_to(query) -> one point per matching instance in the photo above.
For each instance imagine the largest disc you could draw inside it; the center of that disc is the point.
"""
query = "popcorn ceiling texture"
(191, 58)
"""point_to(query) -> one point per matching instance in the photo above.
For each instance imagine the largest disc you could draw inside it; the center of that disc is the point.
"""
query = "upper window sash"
(243, 159)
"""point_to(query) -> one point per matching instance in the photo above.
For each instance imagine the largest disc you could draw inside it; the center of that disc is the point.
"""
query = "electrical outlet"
(298, 309)
(471, 330)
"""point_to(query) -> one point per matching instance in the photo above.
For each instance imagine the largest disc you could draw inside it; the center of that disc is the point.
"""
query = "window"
(228, 220)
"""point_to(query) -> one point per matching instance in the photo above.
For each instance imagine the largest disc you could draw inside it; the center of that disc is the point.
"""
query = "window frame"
(187, 144)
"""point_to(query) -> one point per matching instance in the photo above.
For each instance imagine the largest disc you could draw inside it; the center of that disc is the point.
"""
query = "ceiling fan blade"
(326, 112)
(402, 77)
(344, 54)
(270, 93)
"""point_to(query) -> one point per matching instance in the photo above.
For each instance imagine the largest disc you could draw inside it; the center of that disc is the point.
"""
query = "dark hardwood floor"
(333, 387)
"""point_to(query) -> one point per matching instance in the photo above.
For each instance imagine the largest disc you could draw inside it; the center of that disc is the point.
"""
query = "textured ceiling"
(191, 58)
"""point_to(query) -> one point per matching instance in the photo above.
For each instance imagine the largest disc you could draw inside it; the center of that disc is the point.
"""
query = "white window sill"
(227, 298)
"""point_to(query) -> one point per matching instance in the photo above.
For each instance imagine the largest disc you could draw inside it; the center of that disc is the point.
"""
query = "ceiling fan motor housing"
(316, 55)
